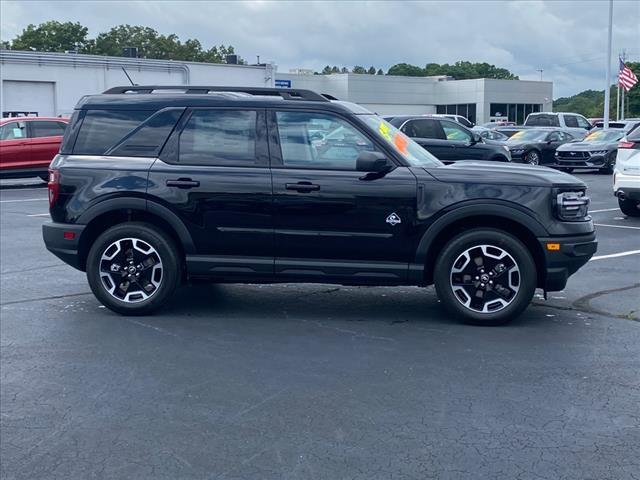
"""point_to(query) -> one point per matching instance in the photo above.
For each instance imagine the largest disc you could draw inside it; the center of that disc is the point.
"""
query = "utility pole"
(540, 70)
(607, 91)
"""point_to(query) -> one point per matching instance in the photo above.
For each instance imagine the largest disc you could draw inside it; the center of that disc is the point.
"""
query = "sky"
(566, 39)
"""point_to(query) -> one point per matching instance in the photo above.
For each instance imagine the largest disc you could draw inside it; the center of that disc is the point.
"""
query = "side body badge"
(393, 219)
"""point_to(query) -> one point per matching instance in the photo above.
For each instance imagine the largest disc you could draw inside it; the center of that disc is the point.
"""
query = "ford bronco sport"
(157, 185)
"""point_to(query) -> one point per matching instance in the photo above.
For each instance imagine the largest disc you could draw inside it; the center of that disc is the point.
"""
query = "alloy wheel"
(485, 278)
(131, 270)
(533, 158)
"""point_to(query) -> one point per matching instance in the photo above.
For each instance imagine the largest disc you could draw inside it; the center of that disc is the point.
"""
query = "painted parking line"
(604, 210)
(38, 215)
(25, 200)
(615, 255)
(616, 226)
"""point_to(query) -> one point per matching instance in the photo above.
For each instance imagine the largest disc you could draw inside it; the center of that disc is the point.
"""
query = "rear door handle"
(303, 187)
(183, 183)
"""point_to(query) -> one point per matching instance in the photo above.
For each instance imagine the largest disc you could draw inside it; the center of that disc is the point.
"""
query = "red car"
(28, 144)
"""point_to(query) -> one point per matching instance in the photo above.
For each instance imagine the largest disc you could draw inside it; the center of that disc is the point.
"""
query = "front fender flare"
(493, 209)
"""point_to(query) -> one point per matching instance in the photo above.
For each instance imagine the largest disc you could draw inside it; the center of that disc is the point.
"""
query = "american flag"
(626, 78)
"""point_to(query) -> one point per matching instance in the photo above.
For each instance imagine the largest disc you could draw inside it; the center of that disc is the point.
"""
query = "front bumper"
(595, 161)
(65, 247)
(560, 264)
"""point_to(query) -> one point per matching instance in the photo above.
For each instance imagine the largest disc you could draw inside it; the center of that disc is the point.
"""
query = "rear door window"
(103, 129)
(423, 128)
(582, 122)
(219, 137)
(13, 131)
(149, 138)
(43, 128)
(570, 121)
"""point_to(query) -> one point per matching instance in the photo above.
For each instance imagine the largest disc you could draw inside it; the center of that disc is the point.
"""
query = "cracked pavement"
(315, 381)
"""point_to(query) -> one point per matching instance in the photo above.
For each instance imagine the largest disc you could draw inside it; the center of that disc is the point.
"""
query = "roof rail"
(286, 93)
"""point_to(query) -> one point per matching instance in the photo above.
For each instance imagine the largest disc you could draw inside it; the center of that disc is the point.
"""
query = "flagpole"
(618, 94)
(624, 59)
(607, 90)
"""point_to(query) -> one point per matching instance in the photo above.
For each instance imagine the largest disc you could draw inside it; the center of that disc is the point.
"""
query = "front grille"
(573, 155)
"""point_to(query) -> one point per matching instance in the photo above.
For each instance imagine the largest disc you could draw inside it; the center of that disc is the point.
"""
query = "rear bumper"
(626, 184)
(560, 264)
(66, 249)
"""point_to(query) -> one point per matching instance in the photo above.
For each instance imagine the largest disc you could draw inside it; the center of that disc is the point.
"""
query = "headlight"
(517, 150)
(572, 206)
(506, 148)
(599, 152)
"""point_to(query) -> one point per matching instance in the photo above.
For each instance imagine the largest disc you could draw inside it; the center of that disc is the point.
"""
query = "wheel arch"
(112, 212)
(513, 221)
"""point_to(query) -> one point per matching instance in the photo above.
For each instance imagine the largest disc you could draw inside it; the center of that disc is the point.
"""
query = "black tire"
(516, 253)
(611, 165)
(629, 207)
(163, 249)
(532, 157)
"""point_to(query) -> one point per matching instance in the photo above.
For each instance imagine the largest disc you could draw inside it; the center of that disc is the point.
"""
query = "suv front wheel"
(133, 268)
(485, 276)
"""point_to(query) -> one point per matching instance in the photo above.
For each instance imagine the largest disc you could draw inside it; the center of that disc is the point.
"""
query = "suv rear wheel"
(629, 207)
(133, 268)
(485, 276)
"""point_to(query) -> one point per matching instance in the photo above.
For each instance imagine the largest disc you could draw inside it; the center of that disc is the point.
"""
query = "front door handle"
(183, 183)
(303, 187)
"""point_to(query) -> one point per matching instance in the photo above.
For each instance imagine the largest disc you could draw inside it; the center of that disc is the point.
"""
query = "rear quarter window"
(102, 129)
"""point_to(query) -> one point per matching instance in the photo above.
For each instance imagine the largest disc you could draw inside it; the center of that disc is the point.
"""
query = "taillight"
(626, 144)
(54, 186)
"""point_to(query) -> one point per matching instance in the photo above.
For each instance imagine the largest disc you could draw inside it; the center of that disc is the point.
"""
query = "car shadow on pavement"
(313, 302)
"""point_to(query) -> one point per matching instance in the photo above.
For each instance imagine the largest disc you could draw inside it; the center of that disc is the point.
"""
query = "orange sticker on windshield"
(401, 143)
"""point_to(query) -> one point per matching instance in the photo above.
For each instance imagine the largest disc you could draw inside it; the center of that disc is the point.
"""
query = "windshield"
(602, 136)
(528, 136)
(415, 155)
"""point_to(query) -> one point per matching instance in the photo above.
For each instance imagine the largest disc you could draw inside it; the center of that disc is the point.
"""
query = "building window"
(467, 110)
(515, 112)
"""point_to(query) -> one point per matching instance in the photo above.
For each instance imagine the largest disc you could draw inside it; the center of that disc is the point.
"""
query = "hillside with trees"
(590, 103)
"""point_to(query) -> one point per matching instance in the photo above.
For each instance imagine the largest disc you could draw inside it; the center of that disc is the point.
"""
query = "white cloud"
(567, 39)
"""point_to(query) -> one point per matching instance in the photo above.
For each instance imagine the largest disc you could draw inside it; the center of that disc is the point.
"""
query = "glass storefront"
(467, 110)
(515, 112)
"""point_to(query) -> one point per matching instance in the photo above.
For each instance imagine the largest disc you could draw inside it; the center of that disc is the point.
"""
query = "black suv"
(157, 185)
(449, 141)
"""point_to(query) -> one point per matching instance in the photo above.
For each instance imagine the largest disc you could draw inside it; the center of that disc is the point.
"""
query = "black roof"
(155, 97)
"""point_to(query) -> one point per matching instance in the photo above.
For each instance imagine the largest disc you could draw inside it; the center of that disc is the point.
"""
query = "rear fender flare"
(144, 205)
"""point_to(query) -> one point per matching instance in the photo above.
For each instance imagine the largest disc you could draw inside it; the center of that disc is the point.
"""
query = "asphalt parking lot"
(316, 381)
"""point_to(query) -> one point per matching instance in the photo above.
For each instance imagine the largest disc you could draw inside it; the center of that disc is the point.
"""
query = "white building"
(479, 100)
(52, 83)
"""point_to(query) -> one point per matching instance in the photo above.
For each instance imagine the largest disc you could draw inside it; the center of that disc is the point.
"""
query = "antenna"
(540, 70)
(125, 72)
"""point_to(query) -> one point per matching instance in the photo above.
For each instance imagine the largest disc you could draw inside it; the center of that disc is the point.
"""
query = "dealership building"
(50, 84)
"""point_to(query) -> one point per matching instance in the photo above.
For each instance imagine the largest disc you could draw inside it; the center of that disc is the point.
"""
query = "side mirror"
(369, 161)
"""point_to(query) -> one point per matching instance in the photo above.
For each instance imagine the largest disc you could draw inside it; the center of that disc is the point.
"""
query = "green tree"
(344, 70)
(326, 70)
(359, 69)
(406, 69)
(372, 70)
(53, 36)
(335, 69)
(380, 72)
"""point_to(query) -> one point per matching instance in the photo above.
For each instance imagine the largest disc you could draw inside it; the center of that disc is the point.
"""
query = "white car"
(626, 176)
